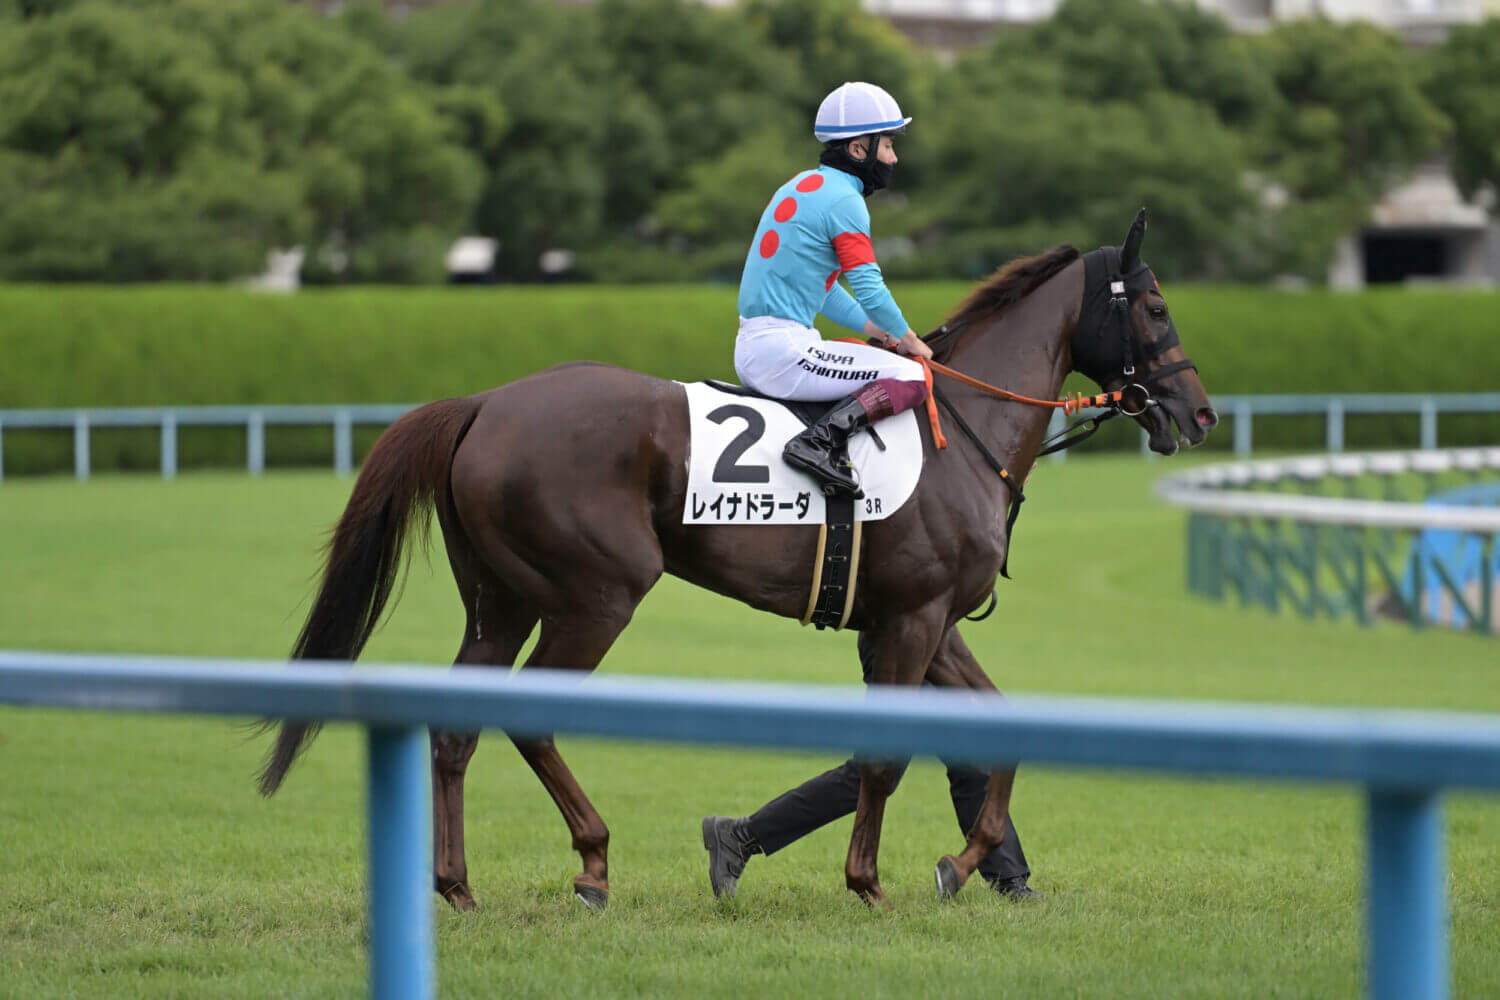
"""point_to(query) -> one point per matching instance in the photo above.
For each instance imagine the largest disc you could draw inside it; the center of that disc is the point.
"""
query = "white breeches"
(787, 360)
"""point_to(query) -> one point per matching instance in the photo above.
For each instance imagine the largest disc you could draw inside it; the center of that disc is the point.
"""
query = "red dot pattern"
(769, 243)
(810, 183)
(786, 209)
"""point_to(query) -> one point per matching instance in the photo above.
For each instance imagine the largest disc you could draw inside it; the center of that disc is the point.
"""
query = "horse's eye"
(1158, 312)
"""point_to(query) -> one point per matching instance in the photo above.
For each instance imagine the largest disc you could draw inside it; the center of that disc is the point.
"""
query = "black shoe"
(820, 450)
(1015, 889)
(729, 846)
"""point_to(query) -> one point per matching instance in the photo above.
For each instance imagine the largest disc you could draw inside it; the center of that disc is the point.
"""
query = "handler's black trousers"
(835, 794)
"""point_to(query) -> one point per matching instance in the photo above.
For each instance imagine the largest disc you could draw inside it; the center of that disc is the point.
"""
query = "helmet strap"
(837, 155)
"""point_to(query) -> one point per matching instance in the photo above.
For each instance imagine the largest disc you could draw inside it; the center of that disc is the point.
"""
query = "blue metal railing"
(1468, 560)
(255, 419)
(342, 419)
(1403, 759)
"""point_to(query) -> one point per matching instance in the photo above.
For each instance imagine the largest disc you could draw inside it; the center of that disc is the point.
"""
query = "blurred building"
(1423, 231)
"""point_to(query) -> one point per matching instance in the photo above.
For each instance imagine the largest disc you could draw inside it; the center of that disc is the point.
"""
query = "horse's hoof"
(871, 895)
(591, 896)
(948, 879)
(459, 897)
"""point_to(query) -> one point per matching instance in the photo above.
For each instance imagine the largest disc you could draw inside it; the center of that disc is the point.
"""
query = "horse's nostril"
(1207, 418)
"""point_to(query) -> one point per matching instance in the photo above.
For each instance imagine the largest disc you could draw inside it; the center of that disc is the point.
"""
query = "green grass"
(137, 860)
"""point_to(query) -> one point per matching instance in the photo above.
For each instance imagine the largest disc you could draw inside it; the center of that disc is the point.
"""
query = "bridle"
(1104, 342)
(1105, 349)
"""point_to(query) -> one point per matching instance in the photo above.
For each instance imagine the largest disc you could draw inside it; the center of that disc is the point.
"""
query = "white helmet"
(857, 109)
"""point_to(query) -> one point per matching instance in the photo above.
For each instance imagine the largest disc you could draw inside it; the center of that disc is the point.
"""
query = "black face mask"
(872, 174)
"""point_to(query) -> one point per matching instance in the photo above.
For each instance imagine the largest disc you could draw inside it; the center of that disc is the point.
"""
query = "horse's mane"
(1007, 286)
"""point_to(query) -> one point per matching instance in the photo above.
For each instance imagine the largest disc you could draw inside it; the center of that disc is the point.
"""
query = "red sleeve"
(853, 249)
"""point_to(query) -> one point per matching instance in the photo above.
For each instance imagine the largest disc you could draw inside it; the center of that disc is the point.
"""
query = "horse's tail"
(403, 479)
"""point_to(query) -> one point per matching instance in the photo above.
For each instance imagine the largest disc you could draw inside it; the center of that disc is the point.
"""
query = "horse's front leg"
(900, 653)
(954, 666)
(985, 835)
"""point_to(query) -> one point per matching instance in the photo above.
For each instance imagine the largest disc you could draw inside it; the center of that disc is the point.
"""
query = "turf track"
(136, 859)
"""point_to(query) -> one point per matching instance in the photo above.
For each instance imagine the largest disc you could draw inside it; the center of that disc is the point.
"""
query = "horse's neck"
(1026, 350)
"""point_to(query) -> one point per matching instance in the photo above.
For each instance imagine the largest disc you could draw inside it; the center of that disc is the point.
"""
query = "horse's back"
(572, 422)
(581, 447)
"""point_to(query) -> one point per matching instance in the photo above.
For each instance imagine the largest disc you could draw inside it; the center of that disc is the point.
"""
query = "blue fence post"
(81, 445)
(255, 443)
(1335, 429)
(2, 451)
(1407, 949)
(168, 445)
(343, 443)
(1242, 427)
(1429, 423)
(1055, 425)
(401, 955)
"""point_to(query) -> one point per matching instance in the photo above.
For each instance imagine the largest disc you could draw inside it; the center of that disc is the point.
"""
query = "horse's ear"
(1130, 253)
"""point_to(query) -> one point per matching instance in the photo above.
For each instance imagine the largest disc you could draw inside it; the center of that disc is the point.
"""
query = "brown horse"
(560, 498)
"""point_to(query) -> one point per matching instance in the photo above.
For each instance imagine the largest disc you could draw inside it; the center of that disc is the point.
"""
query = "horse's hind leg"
(578, 643)
(497, 627)
(900, 653)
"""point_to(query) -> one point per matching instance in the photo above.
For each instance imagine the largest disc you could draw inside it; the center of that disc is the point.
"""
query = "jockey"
(816, 228)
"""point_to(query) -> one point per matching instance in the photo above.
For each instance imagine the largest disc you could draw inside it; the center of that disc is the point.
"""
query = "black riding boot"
(820, 451)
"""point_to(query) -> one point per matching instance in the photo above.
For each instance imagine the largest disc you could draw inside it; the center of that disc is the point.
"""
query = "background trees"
(151, 139)
(1464, 81)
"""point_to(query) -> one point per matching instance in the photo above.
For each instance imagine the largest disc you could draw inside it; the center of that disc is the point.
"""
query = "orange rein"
(1069, 405)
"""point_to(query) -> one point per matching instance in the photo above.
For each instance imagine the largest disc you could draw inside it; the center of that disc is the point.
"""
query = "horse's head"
(1126, 340)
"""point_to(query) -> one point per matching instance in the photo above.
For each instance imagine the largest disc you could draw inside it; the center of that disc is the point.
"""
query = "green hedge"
(107, 346)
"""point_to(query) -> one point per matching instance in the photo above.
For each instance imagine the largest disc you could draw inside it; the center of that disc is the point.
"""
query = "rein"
(1069, 404)
(1114, 401)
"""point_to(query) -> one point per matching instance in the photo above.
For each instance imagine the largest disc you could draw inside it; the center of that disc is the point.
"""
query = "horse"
(560, 500)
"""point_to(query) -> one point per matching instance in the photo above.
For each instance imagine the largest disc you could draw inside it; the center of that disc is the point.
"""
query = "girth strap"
(835, 567)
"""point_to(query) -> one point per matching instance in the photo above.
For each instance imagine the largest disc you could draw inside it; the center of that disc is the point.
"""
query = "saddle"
(836, 564)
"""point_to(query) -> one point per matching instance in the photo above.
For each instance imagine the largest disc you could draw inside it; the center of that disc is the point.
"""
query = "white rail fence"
(1268, 531)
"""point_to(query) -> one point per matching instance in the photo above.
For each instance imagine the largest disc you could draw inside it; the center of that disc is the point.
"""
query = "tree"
(1464, 81)
(544, 185)
(152, 139)
(1352, 120)
(1060, 131)
(1114, 50)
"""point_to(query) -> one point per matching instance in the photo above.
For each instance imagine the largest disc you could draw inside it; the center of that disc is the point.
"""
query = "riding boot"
(821, 452)
(730, 845)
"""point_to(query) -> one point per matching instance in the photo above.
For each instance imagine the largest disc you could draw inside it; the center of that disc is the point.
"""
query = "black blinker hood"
(1100, 343)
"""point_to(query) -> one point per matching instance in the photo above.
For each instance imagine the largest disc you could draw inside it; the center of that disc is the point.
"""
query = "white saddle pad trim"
(736, 474)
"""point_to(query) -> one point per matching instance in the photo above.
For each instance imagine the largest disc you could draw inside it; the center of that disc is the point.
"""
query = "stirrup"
(823, 474)
(853, 489)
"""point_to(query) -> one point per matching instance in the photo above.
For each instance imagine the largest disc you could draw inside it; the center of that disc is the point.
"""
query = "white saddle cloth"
(736, 474)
